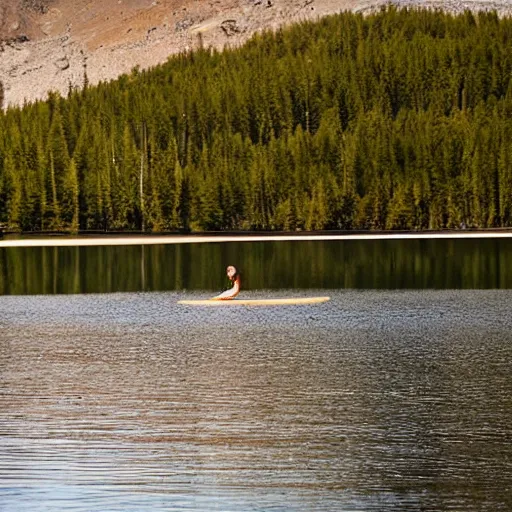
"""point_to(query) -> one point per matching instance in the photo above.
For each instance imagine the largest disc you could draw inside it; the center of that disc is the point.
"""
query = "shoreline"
(140, 239)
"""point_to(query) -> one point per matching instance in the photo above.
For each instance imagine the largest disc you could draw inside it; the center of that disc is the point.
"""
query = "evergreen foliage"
(398, 120)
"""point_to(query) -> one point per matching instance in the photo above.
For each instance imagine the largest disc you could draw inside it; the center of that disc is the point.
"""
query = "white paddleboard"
(256, 302)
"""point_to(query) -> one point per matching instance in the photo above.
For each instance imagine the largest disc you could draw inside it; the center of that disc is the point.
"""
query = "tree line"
(396, 120)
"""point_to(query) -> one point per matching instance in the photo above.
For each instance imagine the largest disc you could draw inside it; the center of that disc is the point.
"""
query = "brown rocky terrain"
(51, 44)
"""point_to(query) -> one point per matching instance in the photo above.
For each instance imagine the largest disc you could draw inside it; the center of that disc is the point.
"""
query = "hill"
(54, 44)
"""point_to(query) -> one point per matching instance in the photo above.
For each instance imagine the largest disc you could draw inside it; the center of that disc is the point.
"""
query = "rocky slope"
(53, 44)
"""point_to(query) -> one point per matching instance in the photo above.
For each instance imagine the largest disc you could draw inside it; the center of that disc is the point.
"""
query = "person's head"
(231, 272)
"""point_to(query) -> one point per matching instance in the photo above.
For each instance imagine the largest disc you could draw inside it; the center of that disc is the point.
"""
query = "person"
(234, 277)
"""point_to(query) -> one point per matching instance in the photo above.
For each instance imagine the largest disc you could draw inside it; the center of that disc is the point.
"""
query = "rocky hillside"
(54, 44)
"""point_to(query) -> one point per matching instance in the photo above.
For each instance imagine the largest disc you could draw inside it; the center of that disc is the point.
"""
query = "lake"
(395, 395)
(353, 264)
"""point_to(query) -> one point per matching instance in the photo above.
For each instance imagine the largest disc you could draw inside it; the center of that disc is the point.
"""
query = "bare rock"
(183, 24)
(230, 27)
(39, 6)
(62, 63)
(13, 42)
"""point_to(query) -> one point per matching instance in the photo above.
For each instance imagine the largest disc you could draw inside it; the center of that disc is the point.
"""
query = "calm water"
(355, 264)
(374, 401)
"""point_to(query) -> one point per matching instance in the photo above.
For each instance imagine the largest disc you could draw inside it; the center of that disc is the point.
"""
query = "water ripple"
(380, 401)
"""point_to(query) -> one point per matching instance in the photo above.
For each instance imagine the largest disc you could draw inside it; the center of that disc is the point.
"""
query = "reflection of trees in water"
(272, 265)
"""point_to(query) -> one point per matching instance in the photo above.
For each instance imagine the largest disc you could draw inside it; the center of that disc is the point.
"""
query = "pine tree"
(400, 118)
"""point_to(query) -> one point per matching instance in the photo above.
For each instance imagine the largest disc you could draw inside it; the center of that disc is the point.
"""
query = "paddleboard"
(256, 302)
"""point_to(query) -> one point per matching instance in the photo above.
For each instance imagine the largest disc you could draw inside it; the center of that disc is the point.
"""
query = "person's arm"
(231, 293)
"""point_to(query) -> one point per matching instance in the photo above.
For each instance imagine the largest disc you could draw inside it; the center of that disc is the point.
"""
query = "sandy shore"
(164, 240)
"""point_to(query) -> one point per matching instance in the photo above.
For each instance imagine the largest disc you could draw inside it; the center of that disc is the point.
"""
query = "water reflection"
(375, 401)
(366, 264)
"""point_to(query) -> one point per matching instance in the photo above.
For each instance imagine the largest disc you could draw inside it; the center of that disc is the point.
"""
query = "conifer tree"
(399, 119)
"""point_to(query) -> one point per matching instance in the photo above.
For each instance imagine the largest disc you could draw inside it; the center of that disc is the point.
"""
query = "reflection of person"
(234, 277)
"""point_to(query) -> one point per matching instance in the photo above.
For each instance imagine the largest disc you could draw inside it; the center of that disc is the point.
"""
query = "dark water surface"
(374, 401)
(356, 264)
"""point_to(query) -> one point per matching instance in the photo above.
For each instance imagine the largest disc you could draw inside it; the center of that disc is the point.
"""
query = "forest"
(399, 120)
